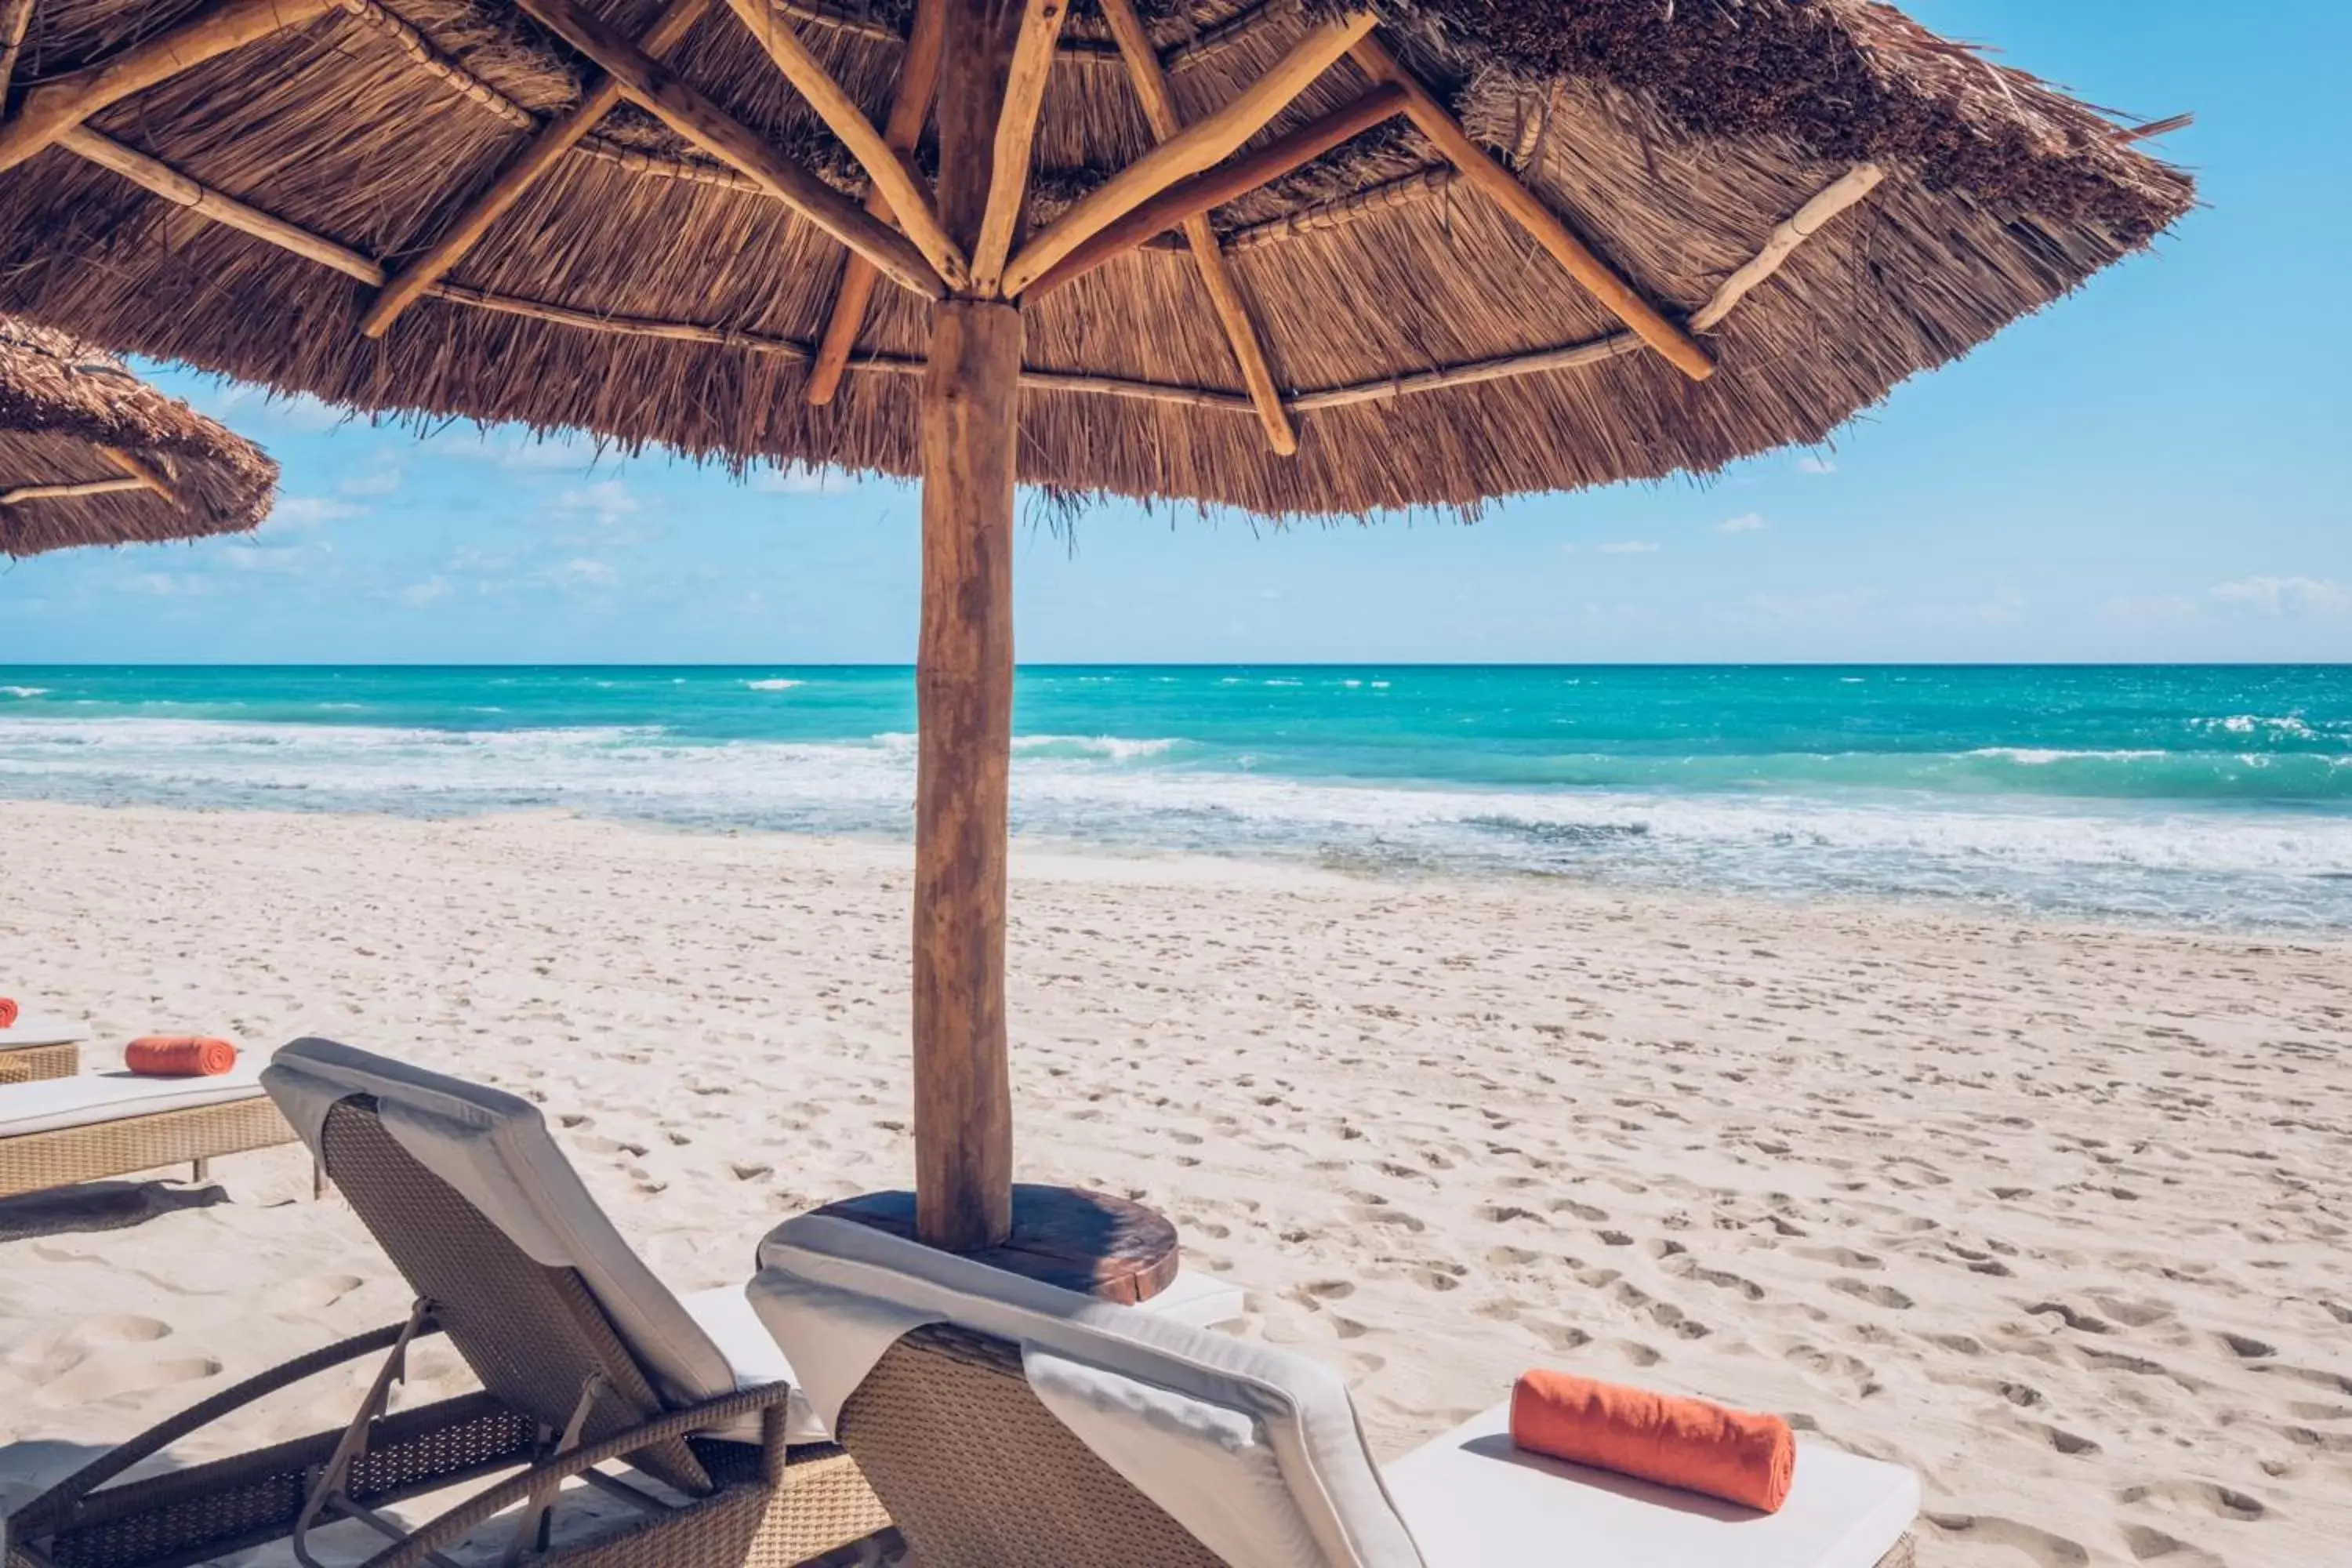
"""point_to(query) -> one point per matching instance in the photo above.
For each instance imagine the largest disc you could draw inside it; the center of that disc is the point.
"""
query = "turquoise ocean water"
(2199, 796)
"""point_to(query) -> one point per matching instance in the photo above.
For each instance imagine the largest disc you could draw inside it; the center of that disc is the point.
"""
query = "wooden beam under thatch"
(910, 204)
(539, 156)
(15, 17)
(1233, 316)
(1016, 131)
(23, 493)
(664, 94)
(1203, 194)
(1339, 211)
(1791, 231)
(1204, 144)
(910, 105)
(52, 108)
(1436, 121)
(141, 472)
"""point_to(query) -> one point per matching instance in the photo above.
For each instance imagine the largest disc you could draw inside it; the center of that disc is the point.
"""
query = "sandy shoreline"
(2057, 1215)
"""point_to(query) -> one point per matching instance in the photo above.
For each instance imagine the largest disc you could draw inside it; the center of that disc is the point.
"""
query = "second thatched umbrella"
(89, 453)
(1298, 258)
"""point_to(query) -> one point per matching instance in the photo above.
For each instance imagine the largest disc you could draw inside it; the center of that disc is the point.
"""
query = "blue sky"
(2140, 473)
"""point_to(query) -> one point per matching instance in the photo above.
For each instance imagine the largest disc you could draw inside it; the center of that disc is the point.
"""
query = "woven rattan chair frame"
(976, 1470)
(540, 1337)
(33, 1064)
(37, 1162)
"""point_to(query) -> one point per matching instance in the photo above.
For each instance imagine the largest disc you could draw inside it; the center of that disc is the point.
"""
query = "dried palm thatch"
(245, 213)
(91, 454)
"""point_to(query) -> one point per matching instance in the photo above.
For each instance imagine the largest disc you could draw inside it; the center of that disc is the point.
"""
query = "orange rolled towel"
(7, 1011)
(179, 1056)
(1689, 1443)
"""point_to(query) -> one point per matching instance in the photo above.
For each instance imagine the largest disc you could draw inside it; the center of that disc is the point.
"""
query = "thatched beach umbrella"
(89, 453)
(1311, 257)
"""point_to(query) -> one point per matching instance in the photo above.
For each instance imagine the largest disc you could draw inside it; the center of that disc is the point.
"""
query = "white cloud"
(566, 451)
(1746, 523)
(311, 511)
(170, 584)
(272, 555)
(382, 480)
(1628, 547)
(584, 571)
(2004, 608)
(2283, 597)
(1811, 464)
(416, 595)
(1805, 606)
(2161, 608)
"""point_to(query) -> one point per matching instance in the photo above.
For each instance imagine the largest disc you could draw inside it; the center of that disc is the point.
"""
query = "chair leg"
(199, 1168)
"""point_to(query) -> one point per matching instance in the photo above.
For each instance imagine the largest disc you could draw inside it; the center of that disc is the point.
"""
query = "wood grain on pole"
(1781, 242)
(67, 491)
(55, 106)
(1143, 68)
(1205, 142)
(539, 155)
(969, 421)
(918, 79)
(910, 203)
(668, 98)
(1016, 134)
(1436, 121)
(1203, 194)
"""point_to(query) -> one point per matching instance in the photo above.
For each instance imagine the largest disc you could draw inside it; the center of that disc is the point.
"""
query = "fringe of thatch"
(374, 129)
(63, 405)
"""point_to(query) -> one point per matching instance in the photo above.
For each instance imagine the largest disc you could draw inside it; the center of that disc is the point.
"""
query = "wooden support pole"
(1203, 194)
(910, 203)
(1016, 133)
(919, 80)
(1199, 146)
(148, 476)
(1143, 69)
(970, 420)
(668, 98)
(539, 155)
(16, 19)
(67, 491)
(52, 108)
(168, 182)
(1826, 204)
(1617, 345)
(1436, 121)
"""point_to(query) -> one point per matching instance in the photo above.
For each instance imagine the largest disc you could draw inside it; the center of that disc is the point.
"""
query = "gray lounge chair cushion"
(494, 1149)
(1254, 1451)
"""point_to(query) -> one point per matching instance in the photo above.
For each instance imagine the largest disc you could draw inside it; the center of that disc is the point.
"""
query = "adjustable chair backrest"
(523, 1271)
(1003, 1421)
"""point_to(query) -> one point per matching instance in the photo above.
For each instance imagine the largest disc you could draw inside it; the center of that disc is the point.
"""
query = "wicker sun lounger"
(57, 1133)
(586, 1361)
(1003, 1421)
(32, 1049)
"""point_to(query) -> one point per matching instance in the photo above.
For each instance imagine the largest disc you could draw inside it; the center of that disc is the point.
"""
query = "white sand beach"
(2056, 1216)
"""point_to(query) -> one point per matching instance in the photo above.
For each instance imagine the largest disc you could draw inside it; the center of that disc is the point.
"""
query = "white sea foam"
(773, 684)
(2099, 859)
(24, 690)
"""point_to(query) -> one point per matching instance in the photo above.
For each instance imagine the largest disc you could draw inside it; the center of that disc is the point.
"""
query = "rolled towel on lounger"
(1734, 1455)
(7, 1011)
(179, 1056)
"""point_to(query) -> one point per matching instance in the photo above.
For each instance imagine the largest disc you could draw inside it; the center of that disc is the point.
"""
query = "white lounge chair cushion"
(758, 1361)
(1255, 1451)
(494, 1149)
(1475, 1502)
(1198, 1297)
(28, 1030)
(53, 1105)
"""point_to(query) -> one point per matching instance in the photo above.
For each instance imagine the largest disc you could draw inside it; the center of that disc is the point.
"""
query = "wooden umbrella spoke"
(15, 17)
(1436, 121)
(68, 490)
(1204, 144)
(1016, 132)
(542, 153)
(142, 472)
(910, 203)
(1143, 68)
(664, 94)
(918, 79)
(1187, 200)
(54, 108)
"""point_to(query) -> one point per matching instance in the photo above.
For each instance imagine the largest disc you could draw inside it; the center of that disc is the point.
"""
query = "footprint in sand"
(104, 1376)
(311, 1295)
(2038, 1546)
(2195, 1497)
(1885, 1296)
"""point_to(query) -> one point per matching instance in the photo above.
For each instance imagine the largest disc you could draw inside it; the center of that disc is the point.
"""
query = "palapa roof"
(647, 291)
(91, 454)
